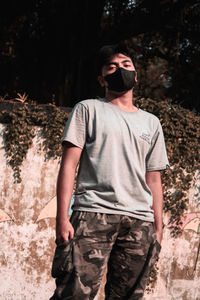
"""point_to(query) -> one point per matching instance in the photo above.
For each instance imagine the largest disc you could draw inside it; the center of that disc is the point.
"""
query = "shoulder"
(90, 106)
(149, 117)
(151, 121)
(89, 103)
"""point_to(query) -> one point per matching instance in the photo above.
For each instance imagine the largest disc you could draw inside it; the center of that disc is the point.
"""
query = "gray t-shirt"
(118, 148)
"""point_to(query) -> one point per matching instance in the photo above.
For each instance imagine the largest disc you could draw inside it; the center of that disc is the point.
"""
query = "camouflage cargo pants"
(127, 246)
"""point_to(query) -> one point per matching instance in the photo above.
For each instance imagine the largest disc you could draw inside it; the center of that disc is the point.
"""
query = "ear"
(136, 78)
(101, 80)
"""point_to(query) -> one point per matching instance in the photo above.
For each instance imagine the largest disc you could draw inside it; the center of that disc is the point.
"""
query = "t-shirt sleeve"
(75, 129)
(156, 158)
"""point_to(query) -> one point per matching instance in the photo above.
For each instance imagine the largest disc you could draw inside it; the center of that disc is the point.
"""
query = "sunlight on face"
(118, 61)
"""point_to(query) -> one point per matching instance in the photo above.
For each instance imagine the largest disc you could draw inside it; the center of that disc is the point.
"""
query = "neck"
(122, 100)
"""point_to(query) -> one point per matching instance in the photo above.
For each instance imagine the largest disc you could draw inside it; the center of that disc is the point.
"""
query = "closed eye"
(112, 67)
(127, 65)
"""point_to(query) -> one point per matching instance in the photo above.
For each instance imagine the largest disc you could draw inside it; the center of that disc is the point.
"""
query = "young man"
(117, 213)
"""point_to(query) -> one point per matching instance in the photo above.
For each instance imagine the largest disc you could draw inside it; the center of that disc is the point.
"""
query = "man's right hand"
(64, 231)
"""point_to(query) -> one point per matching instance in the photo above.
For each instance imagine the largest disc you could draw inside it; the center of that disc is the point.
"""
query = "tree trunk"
(78, 28)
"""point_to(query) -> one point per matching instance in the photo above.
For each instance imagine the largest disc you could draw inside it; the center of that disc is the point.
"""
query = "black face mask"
(121, 80)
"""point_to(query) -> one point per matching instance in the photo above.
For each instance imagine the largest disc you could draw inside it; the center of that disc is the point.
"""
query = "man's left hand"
(159, 236)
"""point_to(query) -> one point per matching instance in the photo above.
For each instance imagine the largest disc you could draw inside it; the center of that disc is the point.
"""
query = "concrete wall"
(27, 223)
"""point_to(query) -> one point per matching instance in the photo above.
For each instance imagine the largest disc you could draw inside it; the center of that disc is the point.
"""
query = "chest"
(118, 128)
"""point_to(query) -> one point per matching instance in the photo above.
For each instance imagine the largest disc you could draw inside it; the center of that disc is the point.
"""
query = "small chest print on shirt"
(145, 137)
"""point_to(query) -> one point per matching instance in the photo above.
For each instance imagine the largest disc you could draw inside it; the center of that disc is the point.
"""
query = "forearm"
(158, 206)
(65, 185)
(153, 180)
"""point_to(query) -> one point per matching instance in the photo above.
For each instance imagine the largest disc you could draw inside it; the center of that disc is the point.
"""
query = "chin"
(119, 93)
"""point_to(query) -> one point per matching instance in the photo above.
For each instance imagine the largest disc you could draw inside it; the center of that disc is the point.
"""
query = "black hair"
(108, 51)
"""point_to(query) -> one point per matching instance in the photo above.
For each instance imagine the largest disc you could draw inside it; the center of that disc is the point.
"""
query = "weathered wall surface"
(27, 223)
(27, 242)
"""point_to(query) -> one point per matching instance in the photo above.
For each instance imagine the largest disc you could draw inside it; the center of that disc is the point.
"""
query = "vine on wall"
(20, 131)
(181, 129)
(182, 132)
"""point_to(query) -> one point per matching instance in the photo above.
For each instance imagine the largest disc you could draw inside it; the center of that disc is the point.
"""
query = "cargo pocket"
(63, 259)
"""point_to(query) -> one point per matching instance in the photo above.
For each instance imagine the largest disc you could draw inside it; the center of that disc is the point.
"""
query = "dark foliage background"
(48, 47)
